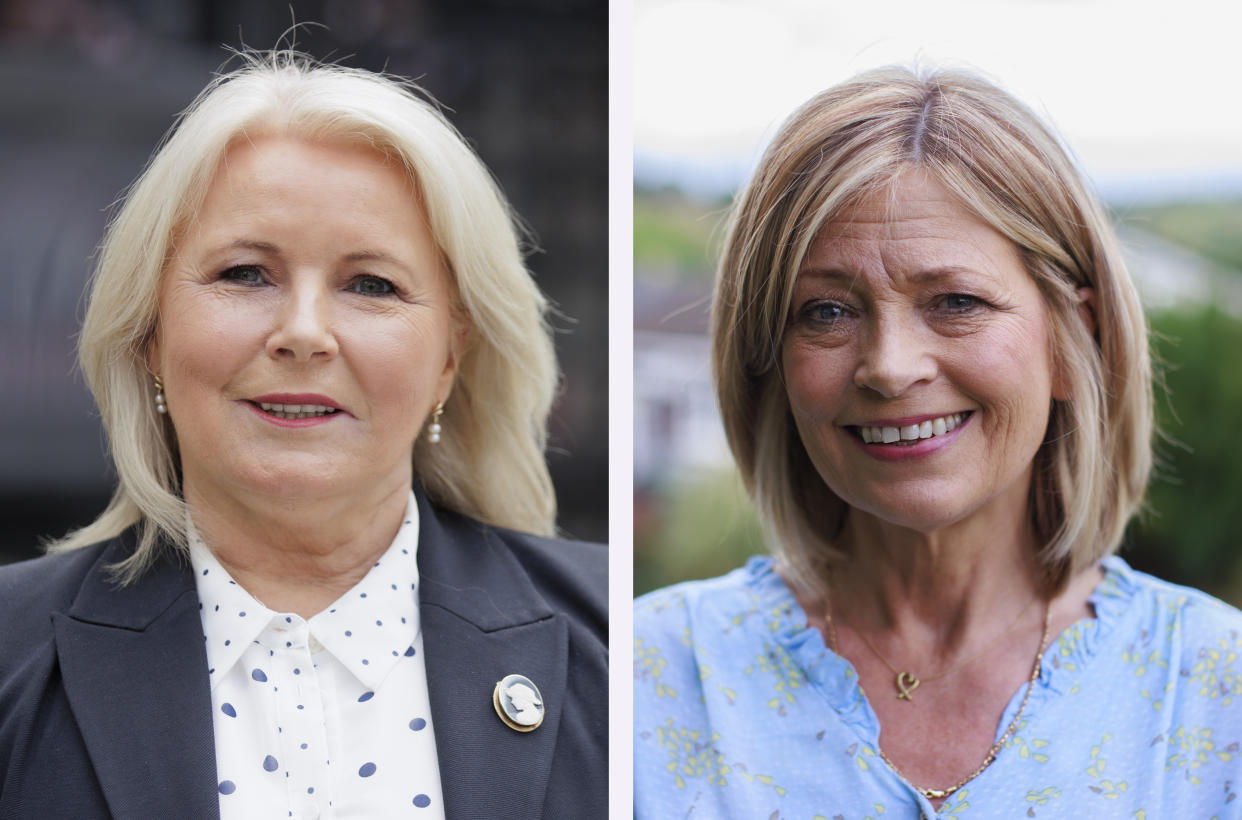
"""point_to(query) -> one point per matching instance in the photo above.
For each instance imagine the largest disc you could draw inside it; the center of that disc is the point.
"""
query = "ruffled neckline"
(1063, 663)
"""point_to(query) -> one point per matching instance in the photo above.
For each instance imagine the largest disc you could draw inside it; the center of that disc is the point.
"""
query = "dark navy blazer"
(105, 707)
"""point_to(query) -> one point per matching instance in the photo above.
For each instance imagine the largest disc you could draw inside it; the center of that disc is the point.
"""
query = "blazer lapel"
(482, 620)
(134, 670)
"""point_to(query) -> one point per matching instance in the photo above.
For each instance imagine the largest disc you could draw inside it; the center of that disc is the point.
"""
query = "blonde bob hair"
(490, 462)
(1006, 166)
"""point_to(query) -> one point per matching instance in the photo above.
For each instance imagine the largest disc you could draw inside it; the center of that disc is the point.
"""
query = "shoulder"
(30, 591)
(687, 633)
(707, 606)
(1193, 616)
(560, 567)
(1194, 637)
(572, 576)
(711, 666)
(480, 570)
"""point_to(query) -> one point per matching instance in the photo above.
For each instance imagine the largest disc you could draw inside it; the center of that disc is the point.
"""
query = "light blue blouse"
(740, 711)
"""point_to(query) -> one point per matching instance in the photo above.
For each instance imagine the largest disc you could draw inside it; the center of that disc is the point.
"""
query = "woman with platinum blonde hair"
(933, 372)
(325, 375)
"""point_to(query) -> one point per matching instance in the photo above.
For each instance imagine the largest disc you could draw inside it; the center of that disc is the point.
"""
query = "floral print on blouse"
(740, 711)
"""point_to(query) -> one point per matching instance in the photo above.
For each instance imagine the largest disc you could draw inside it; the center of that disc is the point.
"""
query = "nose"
(896, 356)
(302, 326)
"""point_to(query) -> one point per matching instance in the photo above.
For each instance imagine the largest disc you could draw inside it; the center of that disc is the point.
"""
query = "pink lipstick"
(295, 410)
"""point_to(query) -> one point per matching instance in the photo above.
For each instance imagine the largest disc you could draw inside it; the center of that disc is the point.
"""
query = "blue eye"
(371, 286)
(960, 302)
(824, 312)
(246, 274)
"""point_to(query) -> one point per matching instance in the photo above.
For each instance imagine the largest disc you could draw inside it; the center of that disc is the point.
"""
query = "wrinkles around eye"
(960, 303)
(372, 286)
(823, 314)
(244, 274)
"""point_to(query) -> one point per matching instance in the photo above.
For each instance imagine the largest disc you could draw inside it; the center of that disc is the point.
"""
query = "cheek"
(1012, 373)
(816, 381)
(397, 359)
(205, 341)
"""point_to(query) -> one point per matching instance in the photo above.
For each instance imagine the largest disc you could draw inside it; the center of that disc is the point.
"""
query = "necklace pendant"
(906, 684)
(936, 794)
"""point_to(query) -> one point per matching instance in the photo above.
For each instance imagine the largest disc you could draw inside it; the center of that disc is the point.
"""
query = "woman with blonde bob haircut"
(325, 375)
(1008, 169)
(933, 372)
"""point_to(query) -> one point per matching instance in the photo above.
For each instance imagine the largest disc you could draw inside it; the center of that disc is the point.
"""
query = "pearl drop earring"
(160, 405)
(433, 431)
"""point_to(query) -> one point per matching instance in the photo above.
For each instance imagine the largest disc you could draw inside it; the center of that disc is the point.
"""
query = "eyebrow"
(364, 255)
(918, 278)
(367, 255)
(253, 245)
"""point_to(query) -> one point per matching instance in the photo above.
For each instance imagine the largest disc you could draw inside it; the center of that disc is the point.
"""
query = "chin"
(297, 480)
(919, 509)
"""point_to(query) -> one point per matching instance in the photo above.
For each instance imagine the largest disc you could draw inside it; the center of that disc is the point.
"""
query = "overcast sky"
(1149, 96)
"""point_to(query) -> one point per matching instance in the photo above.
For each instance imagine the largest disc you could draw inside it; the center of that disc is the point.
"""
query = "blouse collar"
(834, 676)
(367, 629)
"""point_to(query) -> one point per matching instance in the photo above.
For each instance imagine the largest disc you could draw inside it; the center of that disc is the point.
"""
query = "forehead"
(910, 223)
(276, 188)
(274, 162)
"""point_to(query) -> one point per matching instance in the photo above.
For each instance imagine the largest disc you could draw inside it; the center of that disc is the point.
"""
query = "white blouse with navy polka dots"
(328, 717)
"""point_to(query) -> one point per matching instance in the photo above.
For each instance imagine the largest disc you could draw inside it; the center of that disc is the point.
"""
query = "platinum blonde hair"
(994, 154)
(490, 462)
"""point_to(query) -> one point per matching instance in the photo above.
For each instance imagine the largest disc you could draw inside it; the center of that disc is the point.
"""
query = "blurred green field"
(700, 525)
(675, 235)
(1213, 229)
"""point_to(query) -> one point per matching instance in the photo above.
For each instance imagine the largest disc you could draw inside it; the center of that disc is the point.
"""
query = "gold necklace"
(906, 681)
(937, 794)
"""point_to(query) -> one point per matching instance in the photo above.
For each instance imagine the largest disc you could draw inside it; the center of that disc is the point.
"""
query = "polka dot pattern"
(327, 716)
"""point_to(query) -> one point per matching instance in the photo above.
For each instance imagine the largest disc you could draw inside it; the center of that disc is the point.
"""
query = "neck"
(298, 554)
(941, 592)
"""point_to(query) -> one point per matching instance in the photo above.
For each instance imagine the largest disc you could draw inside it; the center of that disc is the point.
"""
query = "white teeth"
(913, 432)
(296, 411)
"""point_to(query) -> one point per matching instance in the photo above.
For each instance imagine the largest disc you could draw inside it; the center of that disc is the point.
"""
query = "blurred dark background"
(88, 87)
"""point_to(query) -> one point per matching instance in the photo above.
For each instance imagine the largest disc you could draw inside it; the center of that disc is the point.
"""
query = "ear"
(153, 352)
(1086, 312)
(1086, 309)
(459, 337)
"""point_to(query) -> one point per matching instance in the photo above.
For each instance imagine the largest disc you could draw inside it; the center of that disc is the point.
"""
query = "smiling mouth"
(295, 411)
(910, 434)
